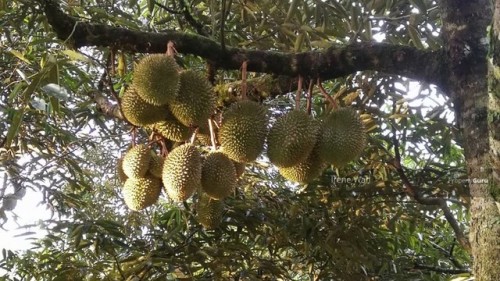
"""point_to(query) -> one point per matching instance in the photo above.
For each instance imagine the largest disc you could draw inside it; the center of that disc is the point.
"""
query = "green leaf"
(74, 55)
(15, 124)
(20, 56)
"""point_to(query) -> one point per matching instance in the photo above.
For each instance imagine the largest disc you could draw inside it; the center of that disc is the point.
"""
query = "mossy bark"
(473, 87)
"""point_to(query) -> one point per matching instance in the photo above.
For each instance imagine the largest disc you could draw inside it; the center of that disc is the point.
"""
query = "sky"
(29, 211)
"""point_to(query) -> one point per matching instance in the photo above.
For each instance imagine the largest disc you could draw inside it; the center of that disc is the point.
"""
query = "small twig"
(167, 8)
(191, 20)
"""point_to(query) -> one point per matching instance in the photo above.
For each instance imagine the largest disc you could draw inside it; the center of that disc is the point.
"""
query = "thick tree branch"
(425, 66)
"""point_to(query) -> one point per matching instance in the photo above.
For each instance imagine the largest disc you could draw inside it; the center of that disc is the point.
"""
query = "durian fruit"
(122, 177)
(291, 139)
(139, 112)
(195, 102)
(156, 79)
(305, 171)
(204, 139)
(243, 131)
(343, 137)
(182, 172)
(171, 129)
(136, 161)
(141, 192)
(203, 135)
(209, 211)
(218, 175)
(239, 168)
(156, 165)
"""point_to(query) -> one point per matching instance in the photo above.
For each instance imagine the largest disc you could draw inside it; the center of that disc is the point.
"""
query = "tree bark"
(336, 61)
(465, 25)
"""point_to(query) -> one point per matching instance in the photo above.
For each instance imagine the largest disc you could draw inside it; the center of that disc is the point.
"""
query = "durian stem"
(309, 99)
(212, 134)
(193, 137)
(332, 102)
(134, 136)
(298, 95)
(244, 66)
(163, 148)
(171, 51)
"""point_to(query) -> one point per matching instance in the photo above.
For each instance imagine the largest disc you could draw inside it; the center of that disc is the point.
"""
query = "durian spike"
(212, 134)
(244, 66)
(299, 92)
(332, 102)
(171, 51)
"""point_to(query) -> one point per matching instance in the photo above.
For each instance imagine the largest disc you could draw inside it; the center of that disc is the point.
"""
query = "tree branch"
(440, 269)
(422, 65)
(415, 193)
(105, 106)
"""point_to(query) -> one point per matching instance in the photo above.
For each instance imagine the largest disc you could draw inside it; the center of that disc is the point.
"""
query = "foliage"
(351, 224)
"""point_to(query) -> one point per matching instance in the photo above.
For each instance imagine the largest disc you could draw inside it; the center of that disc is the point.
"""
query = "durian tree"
(420, 201)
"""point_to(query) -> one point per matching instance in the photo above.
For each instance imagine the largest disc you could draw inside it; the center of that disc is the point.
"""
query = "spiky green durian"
(122, 177)
(291, 139)
(218, 175)
(195, 102)
(305, 171)
(156, 165)
(182, 172)
(243, 131)
(156, 79)
(136, 161)
(343, 137)
(139, 112)
(142, 192)
(171, 129)
(209, 211)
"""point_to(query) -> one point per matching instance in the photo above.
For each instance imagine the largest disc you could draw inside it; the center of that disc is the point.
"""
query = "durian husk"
(138, 112)
(122, 177)
(291, 139)
(343, 137)
(140, 193)
(182, 172)
(243, 131)
(305, 171)
(136, 161)
(218, 176)
(209, 211)
(156, 165)
(157, 79)
(195, 102)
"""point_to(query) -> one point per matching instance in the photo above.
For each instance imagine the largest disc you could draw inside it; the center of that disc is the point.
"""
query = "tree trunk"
(465, 31)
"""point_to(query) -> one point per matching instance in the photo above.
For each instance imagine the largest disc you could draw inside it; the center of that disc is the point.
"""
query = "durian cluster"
(302, 147)
(167, 99)
(176, 103)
